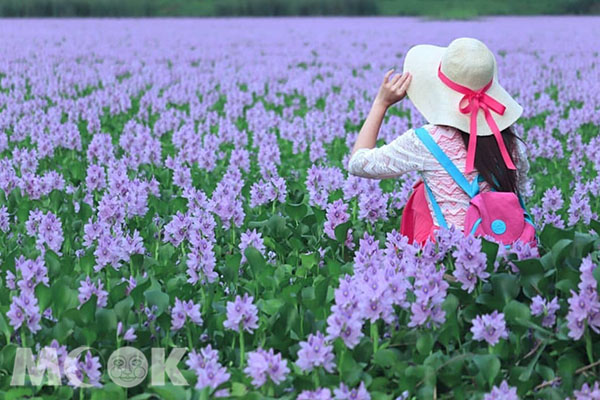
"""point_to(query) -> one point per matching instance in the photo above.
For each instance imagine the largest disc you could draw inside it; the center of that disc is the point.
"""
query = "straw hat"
(467, 62)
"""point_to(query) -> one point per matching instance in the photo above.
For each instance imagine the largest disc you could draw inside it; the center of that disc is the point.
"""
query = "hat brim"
(439, 104)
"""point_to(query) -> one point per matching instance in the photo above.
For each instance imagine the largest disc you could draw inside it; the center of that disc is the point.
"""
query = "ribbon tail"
(499, 140)
(472, 143)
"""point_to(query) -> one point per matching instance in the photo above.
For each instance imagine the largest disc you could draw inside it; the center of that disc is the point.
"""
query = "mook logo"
(126, 367)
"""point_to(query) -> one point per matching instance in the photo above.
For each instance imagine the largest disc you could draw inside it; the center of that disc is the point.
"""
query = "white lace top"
(407, 153)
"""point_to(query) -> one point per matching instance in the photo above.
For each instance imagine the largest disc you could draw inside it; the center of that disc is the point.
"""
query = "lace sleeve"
(402, 155)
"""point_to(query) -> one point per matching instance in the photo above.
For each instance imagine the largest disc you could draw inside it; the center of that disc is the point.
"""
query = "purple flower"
(264, 364)
(251, 238)
(336, 215)
(502, 392)
(345, 393)
(87, 288)
(319, 394)
(129, 335)
(182, 310)
(548, 309)
(588, 392)
(241, 314)
(470, 263)
(315, 352)
(489, 327)
(207, 368)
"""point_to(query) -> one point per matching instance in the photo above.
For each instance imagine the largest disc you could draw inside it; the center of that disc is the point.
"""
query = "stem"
(316, 380)
(588, 346)
(341, 362)
(241, 347)
(23, 337)
(189, 337)
(374, 336)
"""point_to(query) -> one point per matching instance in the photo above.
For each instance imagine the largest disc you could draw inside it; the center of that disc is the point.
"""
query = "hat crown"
(468, 62)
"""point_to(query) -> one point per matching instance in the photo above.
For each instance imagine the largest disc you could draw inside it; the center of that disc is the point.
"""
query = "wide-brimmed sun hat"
(458, 86)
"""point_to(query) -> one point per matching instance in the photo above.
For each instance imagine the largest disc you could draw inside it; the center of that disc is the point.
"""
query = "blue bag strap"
(470, 188)
(436, 207)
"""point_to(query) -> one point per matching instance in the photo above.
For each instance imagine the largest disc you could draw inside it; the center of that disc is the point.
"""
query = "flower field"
(182, 184)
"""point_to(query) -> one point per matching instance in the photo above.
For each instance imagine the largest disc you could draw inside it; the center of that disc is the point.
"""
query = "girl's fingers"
(387, 75)
(396, 79)
(405, 84)
(400, 81)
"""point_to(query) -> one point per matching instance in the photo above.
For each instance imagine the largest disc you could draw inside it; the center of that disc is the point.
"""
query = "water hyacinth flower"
(470, 263)
(489, 327)
(336, 215)
(86, 371)
(587, 392)
(430, 292)
(24, 310)
(584, 305)
(242, 314)
(206, 366)
(251, 238)
(315, 352)
(345, 393)
(319, 394)
(129, 335)
(548, 309)
(263, 365)
(183, 310)
(87, 288)
(502, 392)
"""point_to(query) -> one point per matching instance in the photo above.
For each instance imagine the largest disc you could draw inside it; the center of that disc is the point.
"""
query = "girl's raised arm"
(391, 91)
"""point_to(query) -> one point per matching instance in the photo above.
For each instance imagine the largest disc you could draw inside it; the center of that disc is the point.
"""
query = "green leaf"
(53, 263)
(255, 259)
(386, 357)
(425, 342)
(157, 298)
(341, 231)
(488, 365)
(506, 286)
(551, 235)
(296, 211)
(122, 308)
(44, 295)
(516, 310)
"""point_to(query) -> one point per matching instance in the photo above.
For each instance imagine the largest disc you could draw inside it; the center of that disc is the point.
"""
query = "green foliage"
(446, 9)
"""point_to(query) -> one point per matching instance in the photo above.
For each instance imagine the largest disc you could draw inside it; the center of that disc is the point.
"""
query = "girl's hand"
(392, 90)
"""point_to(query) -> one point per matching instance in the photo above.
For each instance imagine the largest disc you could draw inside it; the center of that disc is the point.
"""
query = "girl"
(470, 117)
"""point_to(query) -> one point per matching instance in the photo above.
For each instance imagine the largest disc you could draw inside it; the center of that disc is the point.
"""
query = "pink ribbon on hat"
(474, 100)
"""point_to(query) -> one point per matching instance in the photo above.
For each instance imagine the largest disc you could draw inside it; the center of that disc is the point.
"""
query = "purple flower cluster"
(345, 393)
(489, 327)
(502, 392)
(47, 230)
(183, 310)
(587, 392)
(337, 214)
(320, 181)
(207, 368)
(265, 191)
(430, 292)
(319, 394)
(470, 263)
(315, 352)
(585, 304)
(87, 288)
(264, 364)
(251, 238)
(547, 309)
(129, 335)
(242, 314)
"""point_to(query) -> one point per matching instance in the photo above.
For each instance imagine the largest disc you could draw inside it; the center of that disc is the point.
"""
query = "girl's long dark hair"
(489, 162)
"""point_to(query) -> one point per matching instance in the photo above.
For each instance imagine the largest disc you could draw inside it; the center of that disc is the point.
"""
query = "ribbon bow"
(471, 103)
